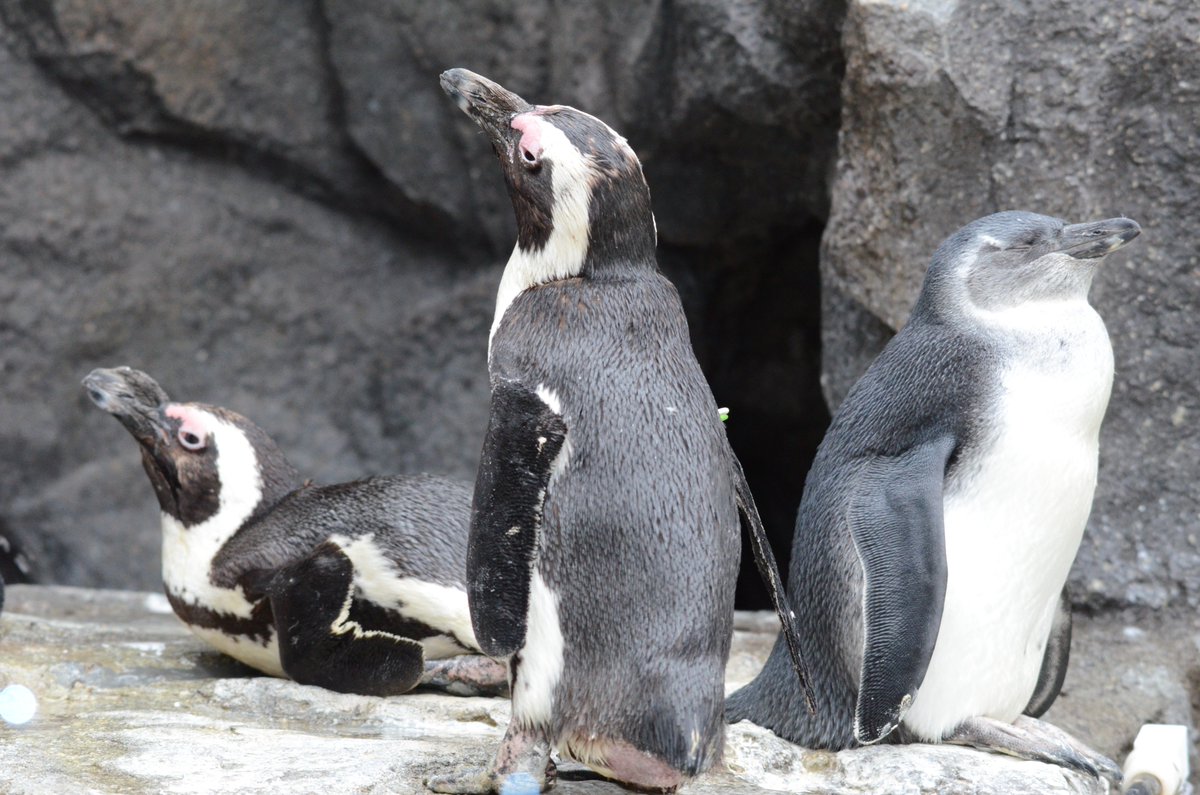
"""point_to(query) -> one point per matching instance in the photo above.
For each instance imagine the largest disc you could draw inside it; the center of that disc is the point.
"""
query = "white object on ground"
(1160, 753)
(17, 704)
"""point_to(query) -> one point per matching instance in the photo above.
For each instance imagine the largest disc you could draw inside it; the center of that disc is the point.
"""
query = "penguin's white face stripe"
(541, 663)
(442, 607)
(563, 254)
(188, 552)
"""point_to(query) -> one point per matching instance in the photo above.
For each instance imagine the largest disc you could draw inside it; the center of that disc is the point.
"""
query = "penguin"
(604, 540)
(946, 503)
(351, 586)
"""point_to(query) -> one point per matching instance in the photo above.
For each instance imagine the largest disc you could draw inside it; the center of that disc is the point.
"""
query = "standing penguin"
(604, 531)
(947, 502)
(350, 586)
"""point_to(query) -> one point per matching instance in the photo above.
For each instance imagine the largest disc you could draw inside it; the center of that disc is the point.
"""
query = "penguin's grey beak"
(1097, 239)
(490, 104)
(132, 397)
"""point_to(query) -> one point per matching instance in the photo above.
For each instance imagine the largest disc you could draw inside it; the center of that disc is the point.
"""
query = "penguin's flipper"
(1054, 663)
(524, 436)
(319, 643)
(768, 570)
(895, 518)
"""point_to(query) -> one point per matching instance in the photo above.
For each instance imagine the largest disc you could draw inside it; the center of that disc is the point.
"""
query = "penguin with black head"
(604, 537)
(947, 502)
(351, 586)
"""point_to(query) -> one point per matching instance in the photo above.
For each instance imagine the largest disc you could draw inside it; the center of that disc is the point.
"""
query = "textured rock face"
(130, 702)
(273, 207)
(1083, 110)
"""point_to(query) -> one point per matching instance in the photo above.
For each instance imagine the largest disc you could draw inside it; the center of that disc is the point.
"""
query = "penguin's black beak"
(490, 104)
(1097, 239)
(132, 397)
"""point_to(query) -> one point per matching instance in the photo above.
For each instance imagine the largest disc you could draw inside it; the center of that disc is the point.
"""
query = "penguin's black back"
(932, 379)
(419, 522)
(640, 534)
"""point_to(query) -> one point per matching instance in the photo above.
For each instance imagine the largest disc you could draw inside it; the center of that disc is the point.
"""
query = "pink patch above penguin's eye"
(530, 145)
(193, 432)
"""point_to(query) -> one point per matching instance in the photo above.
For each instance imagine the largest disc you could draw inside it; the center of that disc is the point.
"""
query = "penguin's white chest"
(1014, 519)
(187, 559)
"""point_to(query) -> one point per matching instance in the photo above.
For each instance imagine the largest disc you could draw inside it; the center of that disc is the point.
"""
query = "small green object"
(723, 413)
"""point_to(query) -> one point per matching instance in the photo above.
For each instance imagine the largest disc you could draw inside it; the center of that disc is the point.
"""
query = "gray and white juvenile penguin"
(604, 537)
(350, 586)
(947, 501)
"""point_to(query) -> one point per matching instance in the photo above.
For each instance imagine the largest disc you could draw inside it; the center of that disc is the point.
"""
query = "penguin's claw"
(1029, 738)
(1096, 763)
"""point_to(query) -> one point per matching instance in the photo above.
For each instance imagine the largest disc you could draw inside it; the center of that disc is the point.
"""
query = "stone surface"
(1075, 108)
(130, 702)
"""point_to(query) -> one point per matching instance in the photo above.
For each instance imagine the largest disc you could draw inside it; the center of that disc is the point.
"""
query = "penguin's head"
(581, 202)
(1012, 258)
(202, 460)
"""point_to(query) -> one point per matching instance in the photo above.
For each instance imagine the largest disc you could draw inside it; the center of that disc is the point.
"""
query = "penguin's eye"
(1028, 241)
(190, 441)
(529, 159)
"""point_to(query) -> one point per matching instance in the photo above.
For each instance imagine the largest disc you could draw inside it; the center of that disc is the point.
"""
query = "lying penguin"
(947, 502)
(350, 587)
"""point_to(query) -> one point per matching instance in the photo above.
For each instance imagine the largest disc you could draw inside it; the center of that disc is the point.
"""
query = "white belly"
(250, 651)
(1013, 526)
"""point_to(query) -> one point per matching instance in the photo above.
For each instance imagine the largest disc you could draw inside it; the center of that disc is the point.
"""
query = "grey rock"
(130, 702)
(270, 205)
(273, 207)
(731, 106)
(952, 110)
(1129, 668)
(228, 289)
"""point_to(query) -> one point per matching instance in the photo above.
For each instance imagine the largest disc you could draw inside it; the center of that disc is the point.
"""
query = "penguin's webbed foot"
(467, 675)
(523, 767)
(1030, 738)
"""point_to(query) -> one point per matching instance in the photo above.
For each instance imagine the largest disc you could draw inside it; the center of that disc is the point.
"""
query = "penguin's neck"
(251, 483)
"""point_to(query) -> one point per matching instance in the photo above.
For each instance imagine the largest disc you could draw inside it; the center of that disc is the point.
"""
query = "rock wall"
(1073, 108)
(270, 205)
(273, 207)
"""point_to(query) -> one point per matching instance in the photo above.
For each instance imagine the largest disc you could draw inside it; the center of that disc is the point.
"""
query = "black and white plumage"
(947, 502)
(349, 586)
(605, 528)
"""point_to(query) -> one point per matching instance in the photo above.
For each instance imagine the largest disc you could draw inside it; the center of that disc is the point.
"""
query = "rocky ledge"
(130, 702)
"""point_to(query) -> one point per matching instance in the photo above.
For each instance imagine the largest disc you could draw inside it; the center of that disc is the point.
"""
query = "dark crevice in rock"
(755, 314)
